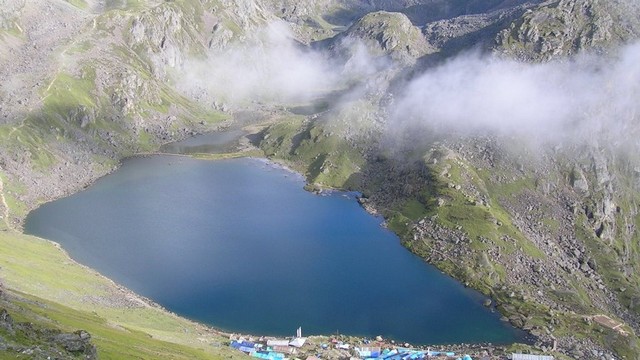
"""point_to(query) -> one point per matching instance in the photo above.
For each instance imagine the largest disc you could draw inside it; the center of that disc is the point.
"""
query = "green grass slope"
(43, 286)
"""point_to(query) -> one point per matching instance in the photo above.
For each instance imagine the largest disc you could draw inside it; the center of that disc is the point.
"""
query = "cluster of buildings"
(281, 349)
(271, 349)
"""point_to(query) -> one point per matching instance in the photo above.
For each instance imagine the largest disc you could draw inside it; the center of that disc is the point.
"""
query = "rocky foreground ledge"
(43, 343)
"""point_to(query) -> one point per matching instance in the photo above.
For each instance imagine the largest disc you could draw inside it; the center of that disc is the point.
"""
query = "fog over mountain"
(269, 67)
(588, 98)
(581, 99)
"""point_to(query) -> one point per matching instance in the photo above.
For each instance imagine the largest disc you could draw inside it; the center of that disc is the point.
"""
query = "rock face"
(76, 343)
(6, 321)
(565, 27)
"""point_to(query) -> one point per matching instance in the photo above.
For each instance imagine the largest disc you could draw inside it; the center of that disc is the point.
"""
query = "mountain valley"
(498, 139)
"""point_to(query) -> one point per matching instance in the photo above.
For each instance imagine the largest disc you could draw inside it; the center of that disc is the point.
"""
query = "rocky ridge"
(563, 28)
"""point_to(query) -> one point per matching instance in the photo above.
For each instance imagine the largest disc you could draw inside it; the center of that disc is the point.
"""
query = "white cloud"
(271, 67)
(582, 99)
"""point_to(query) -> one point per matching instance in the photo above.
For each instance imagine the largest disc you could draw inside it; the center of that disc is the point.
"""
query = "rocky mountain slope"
(561, 28)
(546, 229)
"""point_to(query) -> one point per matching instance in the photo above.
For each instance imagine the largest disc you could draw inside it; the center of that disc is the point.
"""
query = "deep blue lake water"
(238, 244)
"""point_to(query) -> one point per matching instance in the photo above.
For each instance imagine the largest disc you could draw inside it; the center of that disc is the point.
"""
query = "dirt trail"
(5, 207)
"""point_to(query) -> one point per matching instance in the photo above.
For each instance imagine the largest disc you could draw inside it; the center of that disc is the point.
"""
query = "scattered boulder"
(77, 342)
(579, 181)
(6, 321)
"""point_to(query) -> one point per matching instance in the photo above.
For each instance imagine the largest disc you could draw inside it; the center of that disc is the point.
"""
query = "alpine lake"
(238, 244)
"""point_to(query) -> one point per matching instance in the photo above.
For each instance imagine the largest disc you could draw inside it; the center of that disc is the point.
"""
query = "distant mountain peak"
(390, 33)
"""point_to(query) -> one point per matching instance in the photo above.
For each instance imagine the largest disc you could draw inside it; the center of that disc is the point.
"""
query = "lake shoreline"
(241, 153)
(162, 169)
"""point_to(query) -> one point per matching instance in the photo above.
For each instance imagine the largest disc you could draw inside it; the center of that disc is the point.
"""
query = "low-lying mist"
(588, 98)
(270, 67)
(593, 98)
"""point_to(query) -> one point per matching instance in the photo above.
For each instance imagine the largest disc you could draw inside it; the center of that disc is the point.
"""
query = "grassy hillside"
(43, 286)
